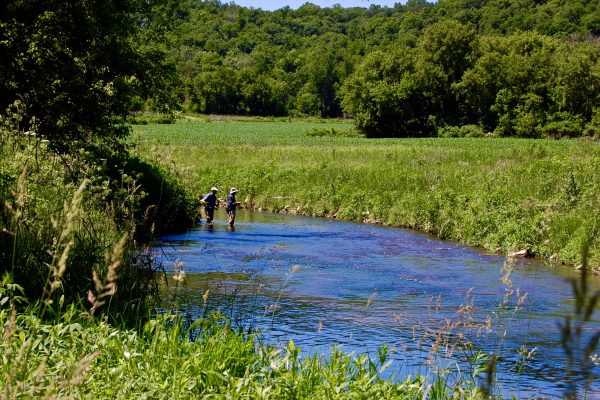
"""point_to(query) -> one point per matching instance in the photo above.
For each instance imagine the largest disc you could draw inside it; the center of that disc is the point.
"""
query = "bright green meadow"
(505, 195)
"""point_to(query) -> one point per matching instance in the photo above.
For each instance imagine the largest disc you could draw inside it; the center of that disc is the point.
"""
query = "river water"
(433, 303)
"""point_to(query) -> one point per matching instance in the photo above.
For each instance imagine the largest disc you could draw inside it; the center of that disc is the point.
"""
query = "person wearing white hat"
(231, 205)
(210, 203)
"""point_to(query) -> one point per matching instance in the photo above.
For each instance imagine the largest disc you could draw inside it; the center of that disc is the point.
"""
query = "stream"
(321, 282)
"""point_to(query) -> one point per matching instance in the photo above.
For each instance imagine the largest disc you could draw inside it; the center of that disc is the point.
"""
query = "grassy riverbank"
(73, 358)
(503, 194)
(71, 225)
(62, 236)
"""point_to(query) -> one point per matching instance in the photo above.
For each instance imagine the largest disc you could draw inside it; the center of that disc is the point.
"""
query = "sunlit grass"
(236, 131)
(505, 195)
(165, 359)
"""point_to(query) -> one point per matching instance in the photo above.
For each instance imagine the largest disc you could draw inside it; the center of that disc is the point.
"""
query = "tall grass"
(505, 195)
(77, 357)
(578, 343)
(61, 215)
(86, 359)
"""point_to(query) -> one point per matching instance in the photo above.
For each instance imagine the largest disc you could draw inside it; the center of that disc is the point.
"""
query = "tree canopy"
(513, 67)
(74, 68)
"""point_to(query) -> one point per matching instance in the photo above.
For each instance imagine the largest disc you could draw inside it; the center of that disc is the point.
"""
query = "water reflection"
(321, 282)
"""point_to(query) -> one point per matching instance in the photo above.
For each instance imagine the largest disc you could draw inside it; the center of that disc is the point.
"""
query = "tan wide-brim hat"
(214, 189)
(233, 190)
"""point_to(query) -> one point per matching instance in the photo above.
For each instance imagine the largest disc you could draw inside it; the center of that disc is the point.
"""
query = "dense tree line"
(514, 67)
(524, 84)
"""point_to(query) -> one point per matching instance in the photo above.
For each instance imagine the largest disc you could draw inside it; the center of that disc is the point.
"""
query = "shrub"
(461, 131)
(145, 119)
(563, 124)
(163, 204)
(593, 127)
(319, 132)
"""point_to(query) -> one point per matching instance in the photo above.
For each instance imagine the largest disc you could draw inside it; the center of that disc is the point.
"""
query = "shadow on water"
(321, 282)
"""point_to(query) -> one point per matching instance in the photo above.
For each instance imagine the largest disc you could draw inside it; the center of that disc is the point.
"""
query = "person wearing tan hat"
(210, 203)
(231, 205)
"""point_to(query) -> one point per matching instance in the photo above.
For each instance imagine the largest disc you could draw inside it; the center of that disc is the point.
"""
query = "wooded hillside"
(526, 68)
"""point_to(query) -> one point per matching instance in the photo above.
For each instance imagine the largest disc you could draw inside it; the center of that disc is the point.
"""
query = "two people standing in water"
(210, 202)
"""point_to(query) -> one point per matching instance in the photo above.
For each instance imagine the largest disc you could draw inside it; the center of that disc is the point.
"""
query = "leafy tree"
(444, 53)
(532, 85)
(576, 78)
(215, 92)
(507, 16)
(507, 88)
(74, 67)
(320, 78)
(409, 91)
(384, 96)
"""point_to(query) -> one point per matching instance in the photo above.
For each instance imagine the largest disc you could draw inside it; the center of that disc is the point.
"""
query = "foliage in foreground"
(87, 359)
(61, 216)
(83, 357)
(503, 194)
(579, 343)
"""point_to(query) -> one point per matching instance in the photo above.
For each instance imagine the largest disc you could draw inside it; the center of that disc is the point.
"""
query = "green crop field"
(238, 131)
(503, 194)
